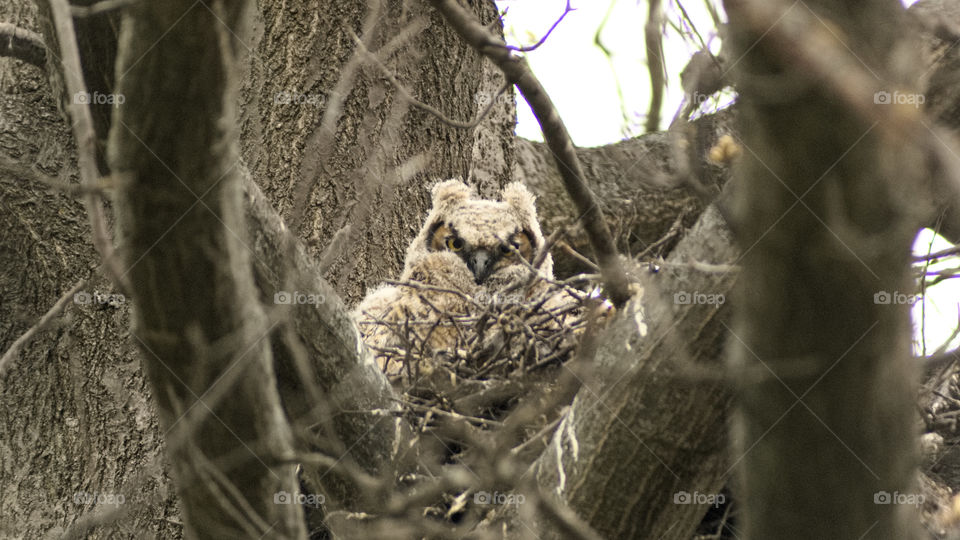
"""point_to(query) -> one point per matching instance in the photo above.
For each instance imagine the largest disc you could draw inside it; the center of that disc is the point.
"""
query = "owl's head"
(488, 236)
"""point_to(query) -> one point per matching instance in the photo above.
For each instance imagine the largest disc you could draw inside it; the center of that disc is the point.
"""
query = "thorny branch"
(515, 67)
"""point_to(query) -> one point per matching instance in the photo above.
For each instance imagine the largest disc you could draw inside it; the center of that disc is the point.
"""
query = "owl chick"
(468, 248)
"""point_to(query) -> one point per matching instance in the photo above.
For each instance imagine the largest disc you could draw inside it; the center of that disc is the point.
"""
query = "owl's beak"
(480, 262)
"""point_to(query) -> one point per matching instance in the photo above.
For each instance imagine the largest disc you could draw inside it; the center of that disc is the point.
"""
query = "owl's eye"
(505, 249)
(454, 243)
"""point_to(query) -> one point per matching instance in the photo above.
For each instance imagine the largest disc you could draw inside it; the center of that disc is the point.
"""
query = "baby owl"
(468, 250)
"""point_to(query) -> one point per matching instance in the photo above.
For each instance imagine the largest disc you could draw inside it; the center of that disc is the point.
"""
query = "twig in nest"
(541, 436)
(671, 233)
(453, 415)
(569, 250)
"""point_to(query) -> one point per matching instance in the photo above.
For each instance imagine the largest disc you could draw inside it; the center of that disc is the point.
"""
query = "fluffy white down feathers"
(468, 249)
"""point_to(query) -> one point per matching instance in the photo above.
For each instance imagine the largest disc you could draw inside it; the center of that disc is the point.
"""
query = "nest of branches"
(477, 357)
(480, 380)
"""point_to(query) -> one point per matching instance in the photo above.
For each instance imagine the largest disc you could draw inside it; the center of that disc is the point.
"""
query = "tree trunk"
(647, 426)
(201, 333)
(363, 183)
(341, 155)
(824, 432)
(79, 441)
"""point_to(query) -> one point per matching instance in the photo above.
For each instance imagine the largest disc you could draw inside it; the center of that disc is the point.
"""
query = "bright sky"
(576, 71)
(604, 99)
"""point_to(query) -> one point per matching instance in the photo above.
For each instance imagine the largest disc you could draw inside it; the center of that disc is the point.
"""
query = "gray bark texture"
(347, 161)
(125, 430)
(328, 143)
(648, 423)
(824, 428)
(182, 241)
(639, 183)
(78, 424)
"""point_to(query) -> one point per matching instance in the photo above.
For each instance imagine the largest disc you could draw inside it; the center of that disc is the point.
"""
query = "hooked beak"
(480, 262)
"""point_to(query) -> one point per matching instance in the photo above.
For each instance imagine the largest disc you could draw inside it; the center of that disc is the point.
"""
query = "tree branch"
(567, 9)
(86, 138)
(640, 401)
(22, 44)
(41, 325)
(375, 60)
(653, 38)
(191, 277)
(515, 67)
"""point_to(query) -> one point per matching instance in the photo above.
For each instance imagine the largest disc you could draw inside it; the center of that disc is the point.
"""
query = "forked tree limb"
(517, 71)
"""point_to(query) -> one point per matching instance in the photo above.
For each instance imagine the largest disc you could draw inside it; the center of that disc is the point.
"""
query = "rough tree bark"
(77, 420)
(648, 423)
(124, 429)
(354, 186)
(825, 214)
(646, 200)
(295, 51)
(180, 220)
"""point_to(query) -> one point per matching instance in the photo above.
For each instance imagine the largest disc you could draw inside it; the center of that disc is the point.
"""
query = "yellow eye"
(506, 250)
(454, 243)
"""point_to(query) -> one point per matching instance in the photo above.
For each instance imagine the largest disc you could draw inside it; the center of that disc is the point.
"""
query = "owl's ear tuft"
(450, 192)
(519, 197)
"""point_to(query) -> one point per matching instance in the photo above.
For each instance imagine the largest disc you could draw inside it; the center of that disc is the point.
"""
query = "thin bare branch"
(515, 67)
(375, 60)
(653, 39)
(22, 44)
(86, 139)
(100, 8)
(543, 40)
(41, 325)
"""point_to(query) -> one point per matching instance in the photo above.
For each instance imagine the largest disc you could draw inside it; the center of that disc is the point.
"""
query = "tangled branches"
(474, 371)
